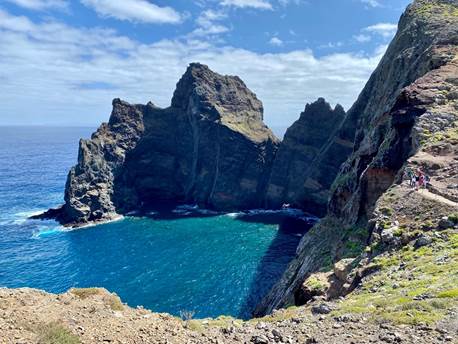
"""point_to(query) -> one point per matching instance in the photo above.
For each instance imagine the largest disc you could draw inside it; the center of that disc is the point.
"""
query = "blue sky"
(62, 61)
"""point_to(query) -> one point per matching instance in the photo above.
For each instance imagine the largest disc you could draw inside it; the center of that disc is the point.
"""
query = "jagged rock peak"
(290, 179)
(323, 107)
(222, 98)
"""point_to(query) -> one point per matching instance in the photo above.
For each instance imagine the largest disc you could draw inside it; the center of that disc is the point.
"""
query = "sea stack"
(290, 179)
(210, 147)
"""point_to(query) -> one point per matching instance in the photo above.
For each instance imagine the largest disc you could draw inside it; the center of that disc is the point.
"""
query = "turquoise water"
(211, 264)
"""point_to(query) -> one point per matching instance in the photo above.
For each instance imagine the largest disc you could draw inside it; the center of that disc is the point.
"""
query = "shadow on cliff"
(277, 257)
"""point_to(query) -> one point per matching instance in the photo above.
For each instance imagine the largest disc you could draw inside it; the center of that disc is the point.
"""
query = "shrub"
(115, 303)
(452, 293)
(454, 218)
(55, 333)
(84, 293)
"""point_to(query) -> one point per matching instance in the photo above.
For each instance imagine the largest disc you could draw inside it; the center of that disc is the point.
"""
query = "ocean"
(210, 264)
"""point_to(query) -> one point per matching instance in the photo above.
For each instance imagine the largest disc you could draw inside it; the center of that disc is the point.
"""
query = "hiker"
(427, 180)
(420, 179)
(412, 178)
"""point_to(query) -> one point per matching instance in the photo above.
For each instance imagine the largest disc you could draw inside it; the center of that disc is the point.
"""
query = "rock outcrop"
(304, 141)
(409, 99)
(89, 316)
(209, 147)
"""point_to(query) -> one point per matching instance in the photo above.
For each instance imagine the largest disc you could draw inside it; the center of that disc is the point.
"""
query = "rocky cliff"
(303, 143)
(209, 147)
(408, 110)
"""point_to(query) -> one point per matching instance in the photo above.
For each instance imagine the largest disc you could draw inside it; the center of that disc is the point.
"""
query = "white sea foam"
(189, 209)
(47, 231)
(233, 215)
(21, 217)
(114, 218)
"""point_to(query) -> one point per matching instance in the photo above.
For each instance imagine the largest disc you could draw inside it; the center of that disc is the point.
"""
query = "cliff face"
(90, 184)
(409, 99)
(210, 147)
(303, 143)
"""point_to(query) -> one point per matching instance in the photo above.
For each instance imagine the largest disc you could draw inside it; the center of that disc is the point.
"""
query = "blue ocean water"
(212, 265)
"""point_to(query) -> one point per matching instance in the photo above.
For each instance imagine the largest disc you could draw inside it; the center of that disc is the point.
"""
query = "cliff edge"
(405, 116)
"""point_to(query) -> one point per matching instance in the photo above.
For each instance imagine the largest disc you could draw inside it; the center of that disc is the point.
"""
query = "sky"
(63, 61)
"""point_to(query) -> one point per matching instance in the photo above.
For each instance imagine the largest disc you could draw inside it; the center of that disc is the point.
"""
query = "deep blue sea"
(212, 265)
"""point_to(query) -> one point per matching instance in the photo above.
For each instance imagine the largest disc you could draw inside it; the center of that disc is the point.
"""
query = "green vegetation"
(281, 315)
(355, 241)
(386, 211)
(315, 284)
(427, 9)
(452, 293)
(55, 333)
(422, 292)
(114, 302)
(450, 135)
(194, 325)
(341, 179)
(84, 293)
(454, 218)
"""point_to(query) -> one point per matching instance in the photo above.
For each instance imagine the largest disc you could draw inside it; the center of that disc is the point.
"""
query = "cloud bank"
(50, 68)
(134, 10)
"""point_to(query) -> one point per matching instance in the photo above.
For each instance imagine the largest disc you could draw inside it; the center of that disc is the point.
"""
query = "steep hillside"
(408, 110)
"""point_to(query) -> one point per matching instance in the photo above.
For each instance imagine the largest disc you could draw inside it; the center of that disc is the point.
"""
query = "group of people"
(417, 179)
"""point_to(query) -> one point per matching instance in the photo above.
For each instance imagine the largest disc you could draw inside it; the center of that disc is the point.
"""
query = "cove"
(210, 264)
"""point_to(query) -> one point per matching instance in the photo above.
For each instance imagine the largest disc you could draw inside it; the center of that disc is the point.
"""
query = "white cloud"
(135, 11)
(53, 73)
(276, 41)
(383, 29)
(258, 4)
(372, 3)
(361, 38)
(40, 4)
(292, 2)
(331, 45)
(208, 23)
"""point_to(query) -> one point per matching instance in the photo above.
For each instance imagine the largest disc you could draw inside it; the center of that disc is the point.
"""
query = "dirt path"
(435, 197)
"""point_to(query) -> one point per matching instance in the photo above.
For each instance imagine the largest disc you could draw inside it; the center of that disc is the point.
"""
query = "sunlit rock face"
(209, 147)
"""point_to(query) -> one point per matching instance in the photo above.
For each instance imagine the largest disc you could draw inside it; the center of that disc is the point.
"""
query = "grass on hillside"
(55, 333)
(84, 293)
(412, 286)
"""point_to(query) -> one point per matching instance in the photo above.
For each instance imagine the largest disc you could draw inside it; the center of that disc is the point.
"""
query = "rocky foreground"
(96, 316)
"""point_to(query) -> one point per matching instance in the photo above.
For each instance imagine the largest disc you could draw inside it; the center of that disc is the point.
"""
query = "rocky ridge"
(395, 124)
(210, 147)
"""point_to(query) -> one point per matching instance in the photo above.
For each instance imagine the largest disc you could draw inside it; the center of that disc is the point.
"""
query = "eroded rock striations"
(409, 100)
(210, 147)
(304, 141)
